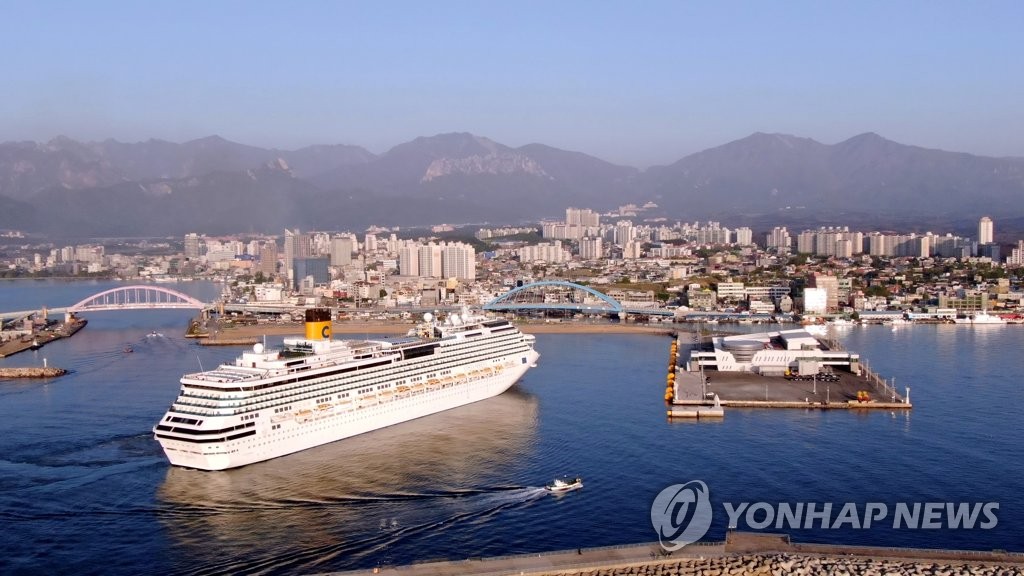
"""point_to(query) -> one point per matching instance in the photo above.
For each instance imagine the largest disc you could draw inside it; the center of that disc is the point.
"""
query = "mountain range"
(211, 185)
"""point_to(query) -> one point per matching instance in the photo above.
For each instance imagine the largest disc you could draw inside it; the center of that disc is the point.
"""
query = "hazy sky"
(633, 82)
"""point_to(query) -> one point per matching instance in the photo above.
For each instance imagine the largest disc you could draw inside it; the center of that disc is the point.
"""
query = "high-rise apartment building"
(193, 246)
(267, 263)
(552, 252)
(430, 261)
(805, 242)
(289, 250)
(582, 217)
(1016, 257)
(318, 268)
(779, 238)
(624, 232)
(370, 243)
(985, 230)
(458, 260)
(341, 250)
(631, 250)
(831, 286)
(409, 260)
(591, 249)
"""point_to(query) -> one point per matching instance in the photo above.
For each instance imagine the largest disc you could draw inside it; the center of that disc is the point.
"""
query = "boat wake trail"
(388, 522)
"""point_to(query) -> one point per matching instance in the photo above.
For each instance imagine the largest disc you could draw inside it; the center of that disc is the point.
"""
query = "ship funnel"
(318, 324)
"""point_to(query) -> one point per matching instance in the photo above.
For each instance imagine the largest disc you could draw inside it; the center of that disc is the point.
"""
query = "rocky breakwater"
(30, 372)
(806, 565)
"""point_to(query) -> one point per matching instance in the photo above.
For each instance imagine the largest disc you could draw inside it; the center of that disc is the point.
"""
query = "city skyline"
(638, 87)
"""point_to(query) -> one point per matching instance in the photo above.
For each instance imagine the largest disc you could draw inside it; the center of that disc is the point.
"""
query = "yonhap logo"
(681, 514)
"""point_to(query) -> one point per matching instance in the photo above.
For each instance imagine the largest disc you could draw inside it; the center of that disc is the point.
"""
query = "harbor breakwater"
(32, 372)
(786, 564)
(741, 553)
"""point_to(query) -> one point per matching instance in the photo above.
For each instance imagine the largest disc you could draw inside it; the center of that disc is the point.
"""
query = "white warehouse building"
(772, 353)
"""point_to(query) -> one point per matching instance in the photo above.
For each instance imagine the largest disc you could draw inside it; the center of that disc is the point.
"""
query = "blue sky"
(636, 83)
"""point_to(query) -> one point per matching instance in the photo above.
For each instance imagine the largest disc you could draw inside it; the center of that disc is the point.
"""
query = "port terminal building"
(773, 354)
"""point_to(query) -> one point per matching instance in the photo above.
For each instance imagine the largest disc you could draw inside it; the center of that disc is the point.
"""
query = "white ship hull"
(309, 426)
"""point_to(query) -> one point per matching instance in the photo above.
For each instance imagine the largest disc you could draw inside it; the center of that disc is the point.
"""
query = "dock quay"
(35, 338)
(29, 372)
(746, 390)
(785, 369)
(228, 341)
(197, 328)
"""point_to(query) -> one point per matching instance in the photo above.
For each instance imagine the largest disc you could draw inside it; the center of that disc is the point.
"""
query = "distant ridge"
(866, 173)
(218, 186)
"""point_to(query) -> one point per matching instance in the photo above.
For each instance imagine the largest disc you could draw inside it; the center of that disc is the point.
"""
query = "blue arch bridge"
(562, 296)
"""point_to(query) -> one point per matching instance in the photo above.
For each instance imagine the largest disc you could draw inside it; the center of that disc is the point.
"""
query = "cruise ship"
(316, 390)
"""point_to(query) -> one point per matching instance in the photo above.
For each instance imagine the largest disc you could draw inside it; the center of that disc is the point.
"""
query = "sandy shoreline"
(386, 328)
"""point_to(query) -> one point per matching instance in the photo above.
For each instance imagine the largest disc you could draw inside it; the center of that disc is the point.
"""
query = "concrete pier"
(41, 337)
(747, 390)
(838, 390)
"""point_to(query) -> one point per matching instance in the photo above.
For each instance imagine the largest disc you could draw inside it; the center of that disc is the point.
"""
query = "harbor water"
(85, 488)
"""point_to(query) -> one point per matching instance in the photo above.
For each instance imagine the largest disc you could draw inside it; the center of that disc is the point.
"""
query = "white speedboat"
(565, 485)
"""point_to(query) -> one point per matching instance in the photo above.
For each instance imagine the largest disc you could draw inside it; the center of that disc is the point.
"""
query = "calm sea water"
(85, 488)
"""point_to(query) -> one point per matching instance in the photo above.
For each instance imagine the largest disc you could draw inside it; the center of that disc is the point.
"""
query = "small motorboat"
(128, 350)
(565, 485)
